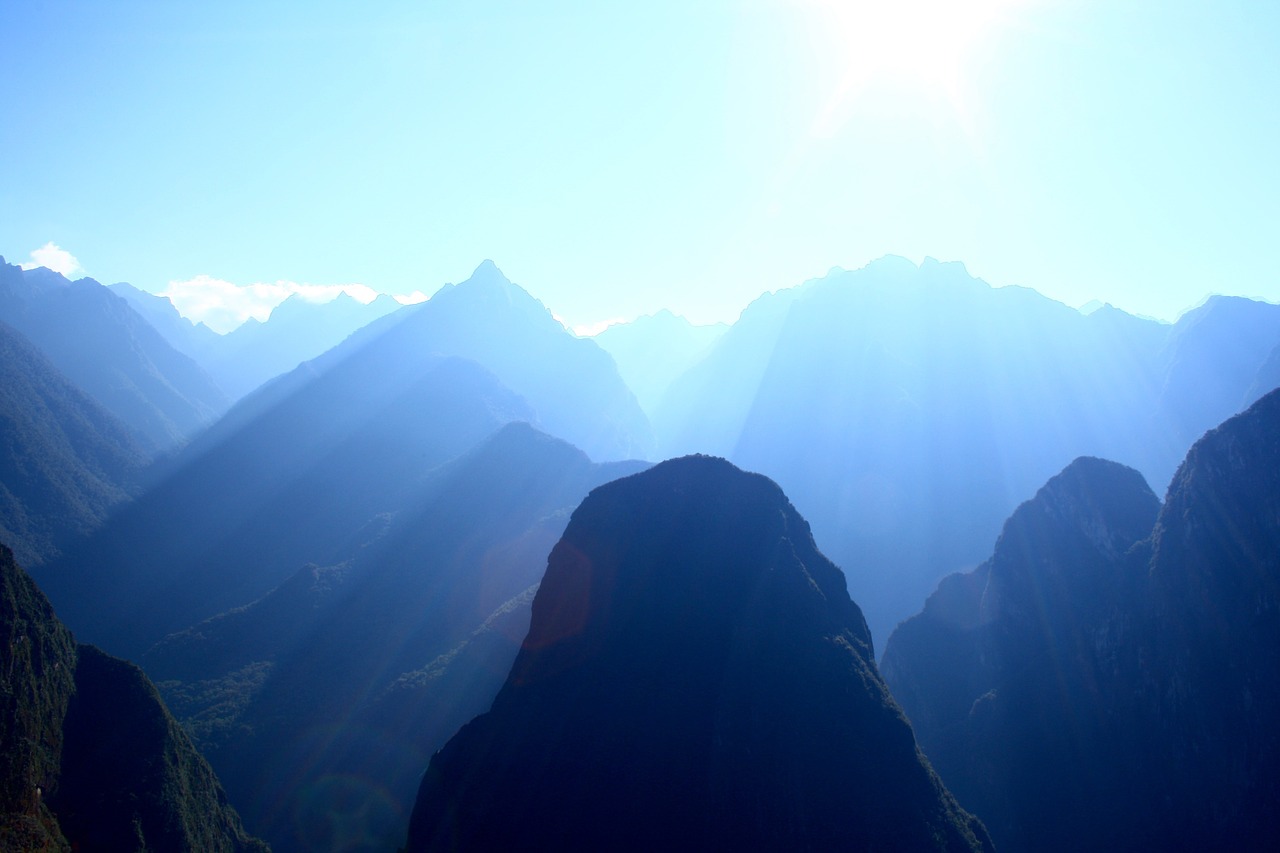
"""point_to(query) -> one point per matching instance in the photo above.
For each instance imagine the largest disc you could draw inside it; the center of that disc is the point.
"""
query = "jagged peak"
(488, 273)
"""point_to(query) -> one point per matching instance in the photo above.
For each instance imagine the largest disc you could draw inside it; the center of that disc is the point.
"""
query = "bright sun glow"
(927, 42)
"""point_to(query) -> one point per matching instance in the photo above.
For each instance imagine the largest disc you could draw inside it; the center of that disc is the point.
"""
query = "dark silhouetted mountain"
(306, 470)
(1093, 677)
(1209, 663)
(89, 757)
(360, 672)
(652, 351)
(1002, 672)
(296, 331)
(64, 460)
(572, 384)
(695, 677)
(115, 356)
(39, 656)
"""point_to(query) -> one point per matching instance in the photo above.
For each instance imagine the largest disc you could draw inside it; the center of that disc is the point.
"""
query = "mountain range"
(328, 580)
(907, 409)
(114, 355)
(308, 467)
(297, 330)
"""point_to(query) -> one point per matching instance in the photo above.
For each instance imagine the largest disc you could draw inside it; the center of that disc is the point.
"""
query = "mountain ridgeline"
(254, 352)
(114, 355)
(695, 677)
(328, 581)
(1114, 665)
(307, 468)
(907, 409)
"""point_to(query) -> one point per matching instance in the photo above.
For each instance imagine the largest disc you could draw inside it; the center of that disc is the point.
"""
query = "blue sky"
(615, 159)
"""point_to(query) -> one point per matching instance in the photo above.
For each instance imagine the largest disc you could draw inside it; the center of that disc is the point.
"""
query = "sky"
(615, 159)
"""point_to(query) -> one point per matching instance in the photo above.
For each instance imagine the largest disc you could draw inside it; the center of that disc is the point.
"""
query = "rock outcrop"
(695, 676)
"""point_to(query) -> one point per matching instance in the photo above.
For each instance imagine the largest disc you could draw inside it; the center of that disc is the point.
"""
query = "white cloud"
(222, 305)
(590, 330)
(411, 298)
(56, 258)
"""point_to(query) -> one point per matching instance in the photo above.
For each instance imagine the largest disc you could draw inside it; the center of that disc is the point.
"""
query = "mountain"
(1112, 668)
(1209, 668)
(908, 409)
(1008, 674)
(64, 461)
(90, 759)
(296, 331)
(571, 383)
(106, 348)
(703, 410)
(694, 677)
(194, 340)
(1268, 377)
(652, 351)
(306, 476)
(1213, 360)
(360, 671)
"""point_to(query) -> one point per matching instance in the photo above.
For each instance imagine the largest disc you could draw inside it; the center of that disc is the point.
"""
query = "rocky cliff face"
(90, 759)
(1209, 663)
(1095, 675)
(1001, 673)
(695, 677)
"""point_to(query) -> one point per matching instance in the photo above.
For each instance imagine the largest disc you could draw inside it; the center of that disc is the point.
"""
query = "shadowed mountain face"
(1211, 650)
(1095, 673)
(321, 704)
(64, 460)
(694, 677)
(906, 410)
(99, 342)
(308, 470)
(89, 757)
(1001, 673)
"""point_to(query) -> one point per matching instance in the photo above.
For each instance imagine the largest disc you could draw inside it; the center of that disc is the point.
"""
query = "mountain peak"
(695, 676)
(488, 273)
(1077, 526)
